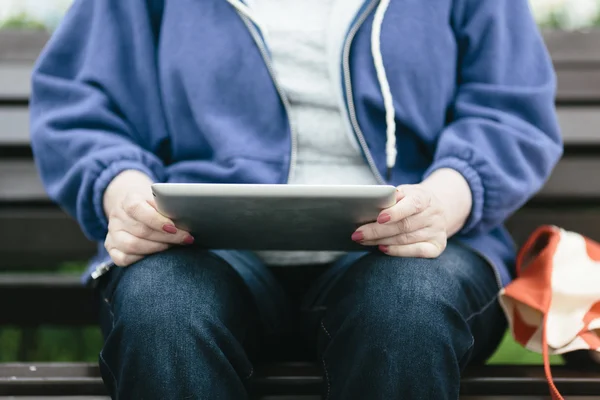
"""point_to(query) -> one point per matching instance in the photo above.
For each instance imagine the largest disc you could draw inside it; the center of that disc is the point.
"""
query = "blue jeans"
(183, 324)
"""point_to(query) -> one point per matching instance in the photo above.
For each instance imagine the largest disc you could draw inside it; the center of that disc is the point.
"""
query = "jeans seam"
(110, 288)
(460, 362)
(103, 361)
(325, 372)
(326, 378)
(112, 316)
(251, 373)
(483, 309)
(325, 329)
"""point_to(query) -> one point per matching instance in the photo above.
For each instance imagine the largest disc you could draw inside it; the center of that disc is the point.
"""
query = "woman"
(452, 103)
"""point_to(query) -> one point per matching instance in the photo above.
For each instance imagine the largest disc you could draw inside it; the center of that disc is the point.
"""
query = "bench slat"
(298, 379)
(46, 299)
(40, 238)
(574, 177)
(580, 125)
(574, 85)
(576, 56)
(19, 181)
(567, 48)
(43, 298)
(578, 85)
(31, 238)
(21, 45)
(14, 129)
(15, 81)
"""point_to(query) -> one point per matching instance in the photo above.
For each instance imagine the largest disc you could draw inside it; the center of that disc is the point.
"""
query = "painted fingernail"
(169, 229)
(358, 236)
(188, 240)
(384, 249)
(383, 218)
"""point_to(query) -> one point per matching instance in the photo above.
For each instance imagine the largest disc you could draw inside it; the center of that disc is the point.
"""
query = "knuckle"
(443, 243)
(113, 223)
(406, 225)
(117, 257)
(143, 230)
(435, 248)
(370, 232)
(414, 237)
(421, 251)
(401, 239)
(418, 203)
(129, 244)
(132, 207)
(438, 211)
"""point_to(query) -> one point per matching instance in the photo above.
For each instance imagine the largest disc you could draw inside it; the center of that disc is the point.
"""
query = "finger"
(421, 235)
(415, 250)
(152, 204)
(130, 244)
(143, 231)
(376, 231)
(142, 211)
(414, 202)
(121, 259)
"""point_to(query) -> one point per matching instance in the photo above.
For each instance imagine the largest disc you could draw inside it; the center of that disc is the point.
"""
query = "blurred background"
(46, 14)
(63, 344)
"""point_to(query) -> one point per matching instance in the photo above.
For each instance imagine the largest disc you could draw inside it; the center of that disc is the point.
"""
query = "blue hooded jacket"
(183, 91)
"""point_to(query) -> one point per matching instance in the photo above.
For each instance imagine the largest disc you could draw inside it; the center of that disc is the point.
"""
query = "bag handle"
(547, 370)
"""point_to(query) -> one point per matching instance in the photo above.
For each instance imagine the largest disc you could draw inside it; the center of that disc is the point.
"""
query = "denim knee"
(408, 306)
(170, 300)
(175, 314)
(170, 287)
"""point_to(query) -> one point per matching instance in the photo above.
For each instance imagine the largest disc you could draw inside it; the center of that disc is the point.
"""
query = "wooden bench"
(37, 235)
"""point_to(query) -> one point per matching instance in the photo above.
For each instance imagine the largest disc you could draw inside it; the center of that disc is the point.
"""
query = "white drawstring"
(388, 101)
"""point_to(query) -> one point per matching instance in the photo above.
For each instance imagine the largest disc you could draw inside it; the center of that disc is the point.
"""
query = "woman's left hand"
(415, 226)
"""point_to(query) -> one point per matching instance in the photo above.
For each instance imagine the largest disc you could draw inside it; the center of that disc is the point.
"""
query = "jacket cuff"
(98, 224)
(475, 184)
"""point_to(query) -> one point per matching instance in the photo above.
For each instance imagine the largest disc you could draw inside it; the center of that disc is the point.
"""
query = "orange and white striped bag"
(553, 305)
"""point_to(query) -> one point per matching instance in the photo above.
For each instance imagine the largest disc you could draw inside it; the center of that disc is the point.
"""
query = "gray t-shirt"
(297, 36)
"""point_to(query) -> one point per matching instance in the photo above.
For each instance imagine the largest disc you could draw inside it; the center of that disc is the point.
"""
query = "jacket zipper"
(106, 266)
(284, 99)
(102, 269)
(347, 79)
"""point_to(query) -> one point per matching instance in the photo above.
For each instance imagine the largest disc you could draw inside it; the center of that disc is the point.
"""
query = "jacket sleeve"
(503, 135)
(93, 105)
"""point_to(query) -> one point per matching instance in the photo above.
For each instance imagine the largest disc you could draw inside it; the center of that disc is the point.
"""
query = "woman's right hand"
(135, 227)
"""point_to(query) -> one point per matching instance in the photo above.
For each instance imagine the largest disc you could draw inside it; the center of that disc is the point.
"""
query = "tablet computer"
(272, 217)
